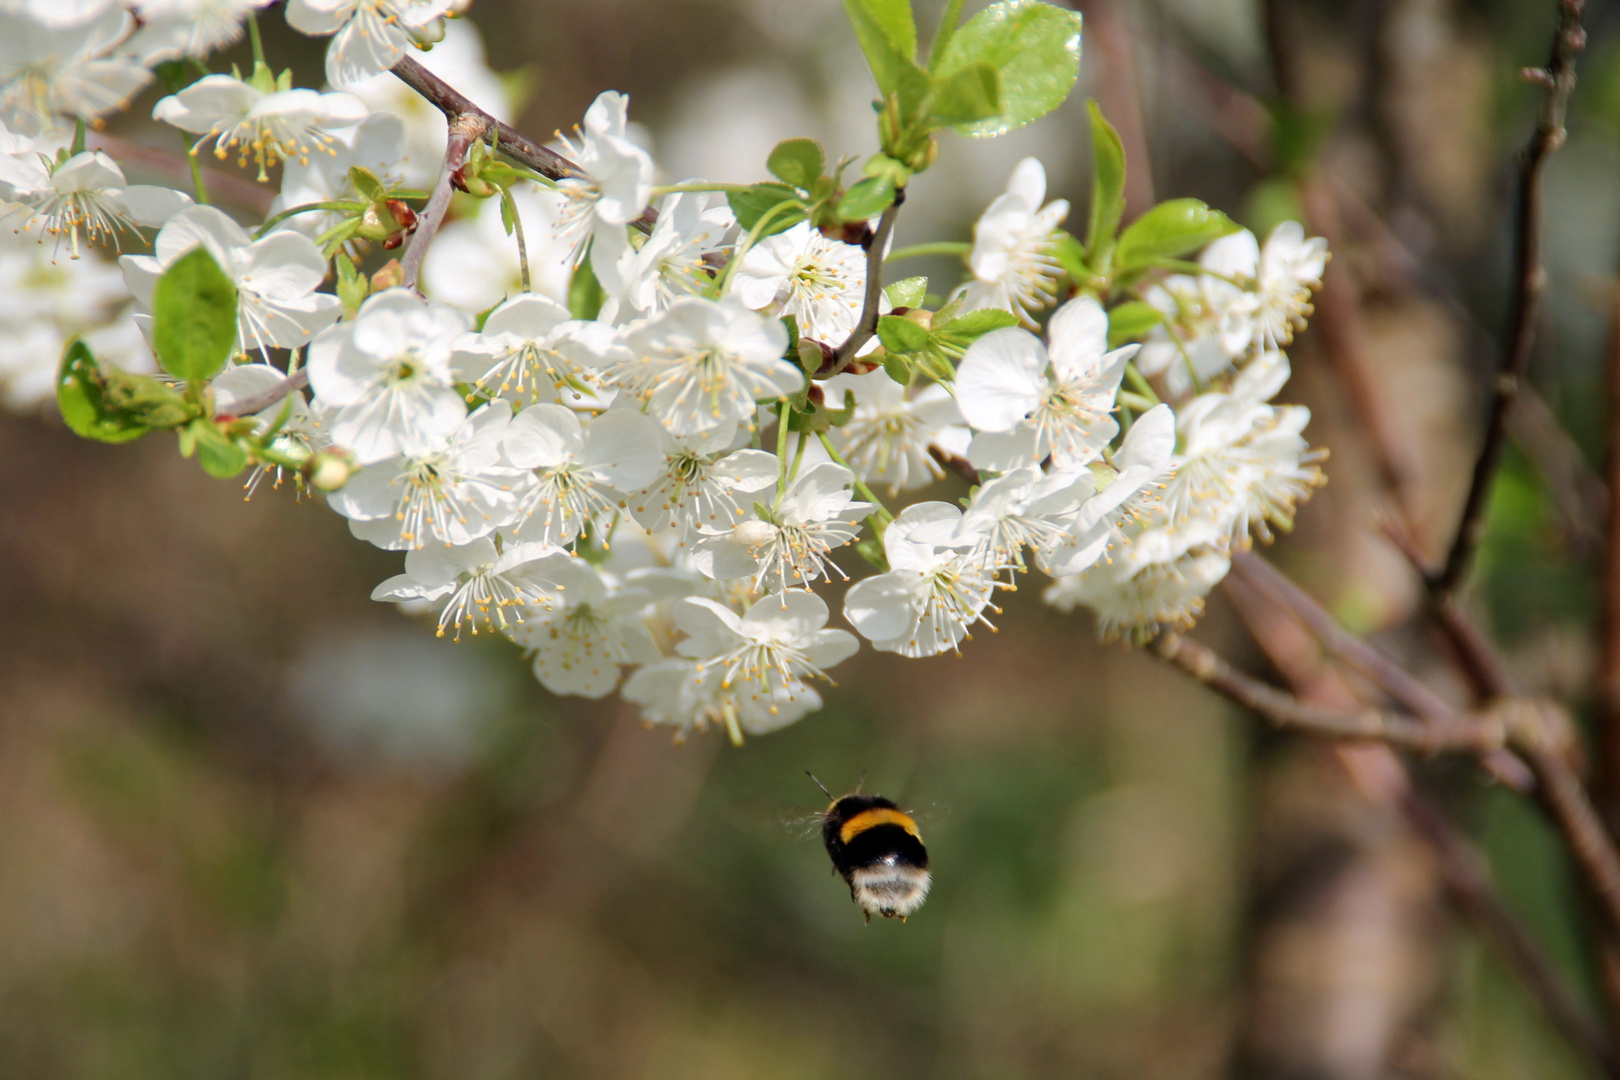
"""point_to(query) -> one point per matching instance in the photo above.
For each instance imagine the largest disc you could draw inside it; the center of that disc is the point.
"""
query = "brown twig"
(257, 403)
(1283, 710)
(875, 247)
(1530, 281)
(1466, 878)
(513, 143)
(465, 129)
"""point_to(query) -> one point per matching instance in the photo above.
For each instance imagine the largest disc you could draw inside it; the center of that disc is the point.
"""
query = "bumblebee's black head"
(877, 849)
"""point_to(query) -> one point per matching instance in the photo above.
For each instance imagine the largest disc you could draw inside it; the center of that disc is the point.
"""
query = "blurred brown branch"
(1530, 281)
(465, 129)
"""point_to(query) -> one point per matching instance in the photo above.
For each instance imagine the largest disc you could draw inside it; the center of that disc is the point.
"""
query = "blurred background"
(254, 825)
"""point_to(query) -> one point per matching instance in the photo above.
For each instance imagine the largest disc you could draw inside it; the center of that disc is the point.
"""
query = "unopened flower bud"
(388, 277)
(329, 470)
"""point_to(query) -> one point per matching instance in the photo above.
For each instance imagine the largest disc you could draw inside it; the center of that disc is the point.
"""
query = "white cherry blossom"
(171, 29)
(259, 119)
(799, 272)
(886, 441)
(368, 36)
(387, 376)
(766, 653)
(480, 583)
(671, 263)
(689, 696)
(1028, 401)
(818, 513)
(275, 276)
(454, 494)
(593, 628)
(933, 592)
(582, 473)
(373, 145)
(1160, 596)
(613, 192)
(1282, 275)
(702, 486)
(81, 201)
(302, 430)
(1012, 262)
(71, 71)
(703, 364)
(474, 265)
(532, 350)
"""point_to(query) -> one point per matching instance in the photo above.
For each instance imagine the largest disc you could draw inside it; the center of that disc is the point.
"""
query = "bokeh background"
(254, 825)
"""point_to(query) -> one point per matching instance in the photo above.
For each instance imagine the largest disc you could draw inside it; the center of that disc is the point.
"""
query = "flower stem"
(881, 514)
(79, 129)
(341, 206)
(676, 189)
(258, 43)
(781, 453)
(753, 238)
(196, 167)
(798, 456)
(517, 234)
(1140, 384)
(918, 251)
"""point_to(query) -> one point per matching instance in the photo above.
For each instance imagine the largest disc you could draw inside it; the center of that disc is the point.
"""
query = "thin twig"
(1530, 281)
(257, 403)
(513, 143)
(1373, 665)
(1464, 873)
(874, 286)
(1284, 710)
(465, 129)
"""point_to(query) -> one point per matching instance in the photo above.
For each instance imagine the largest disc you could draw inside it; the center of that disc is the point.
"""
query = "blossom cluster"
(638, 443)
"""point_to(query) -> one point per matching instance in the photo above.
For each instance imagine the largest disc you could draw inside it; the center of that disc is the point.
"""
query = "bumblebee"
(875, 846)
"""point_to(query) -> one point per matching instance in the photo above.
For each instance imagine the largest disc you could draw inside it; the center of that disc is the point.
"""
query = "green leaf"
(799, 162)
(585, 294)
(1071, 256)
(948, 22)
(975, 324)
(966, 96)
(81, 397)
(366, 184)
(757, 201)
(1131, 321)
(1033, 47)
(907, 292)
(867, 198)
(1169, 230)
(194, 317)
(899, 334)
(1107, 188)
(888, 36)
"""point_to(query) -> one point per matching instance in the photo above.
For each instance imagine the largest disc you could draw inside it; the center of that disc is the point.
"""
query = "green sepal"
(1131, 321)
(797, 162)
(366, 184)
(1034, 49)
(901, 335)
(352, 286)
(807, 416)
(1169, 230)
(219, 454)
(908, 292)
(896, 368)
(194, 317)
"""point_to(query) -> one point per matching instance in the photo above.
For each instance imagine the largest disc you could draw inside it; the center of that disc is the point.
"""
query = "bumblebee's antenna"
(818, 783)
(862, 782)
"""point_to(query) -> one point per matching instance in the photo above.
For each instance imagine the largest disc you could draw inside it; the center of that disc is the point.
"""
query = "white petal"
(1000, 379)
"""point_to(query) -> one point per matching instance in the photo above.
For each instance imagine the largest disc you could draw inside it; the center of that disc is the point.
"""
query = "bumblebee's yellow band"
(878, 815)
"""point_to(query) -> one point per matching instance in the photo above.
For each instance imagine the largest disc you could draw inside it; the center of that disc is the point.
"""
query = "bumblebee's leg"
(868, 918)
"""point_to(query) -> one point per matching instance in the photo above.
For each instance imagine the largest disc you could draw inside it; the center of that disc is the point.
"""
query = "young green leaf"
(949, 20)
(1169, 230)
(1033, 47)
(798, 162)
(965, 96)
(757, 201)
(970, 326)
(80, 396)
(867, 198)
(218, 453)
(1107, 188)
(194, 317)
(585, 296)
(1071, 256)
(888, 36)
(1131, 321)
(908, 292)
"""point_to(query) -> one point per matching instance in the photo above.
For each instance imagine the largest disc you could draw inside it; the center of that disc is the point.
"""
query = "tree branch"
(874, 286)
(1530, 281)
(465, 129)
(257, 403)
(513, 143)
(1473, 735)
